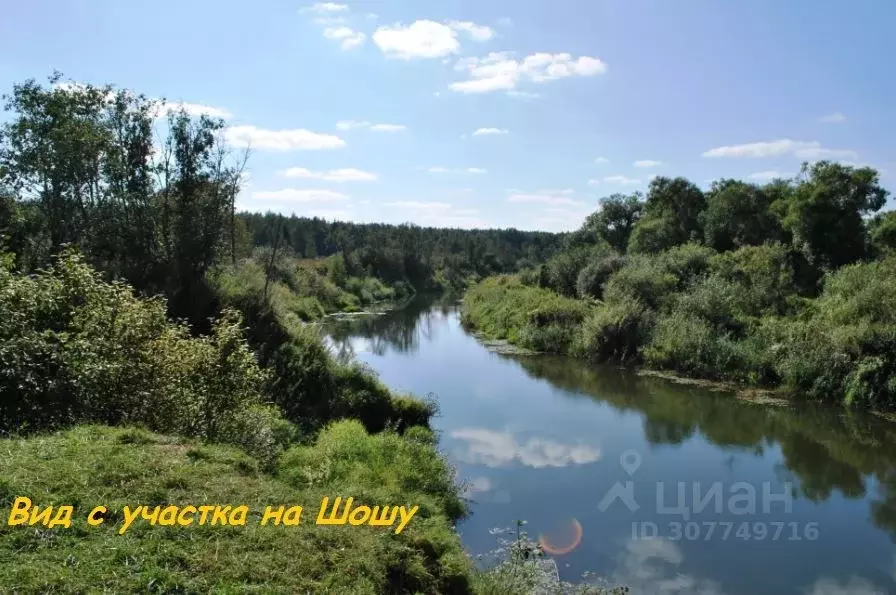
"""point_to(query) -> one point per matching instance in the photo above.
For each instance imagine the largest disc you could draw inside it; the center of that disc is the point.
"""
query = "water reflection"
(399, 329)
(825, 450)
(539, 438)
(495, 449)
(654, 566)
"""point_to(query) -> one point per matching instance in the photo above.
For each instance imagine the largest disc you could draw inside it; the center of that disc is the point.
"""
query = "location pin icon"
(630, 461)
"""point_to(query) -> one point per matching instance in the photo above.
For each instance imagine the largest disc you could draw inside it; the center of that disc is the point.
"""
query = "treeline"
(789, 284)
(426, 257)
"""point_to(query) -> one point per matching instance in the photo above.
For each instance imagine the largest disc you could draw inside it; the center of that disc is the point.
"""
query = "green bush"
(643, 279)
(74, 348)
(536, 318)
(689, 344)
(616, 332)
(591, 280)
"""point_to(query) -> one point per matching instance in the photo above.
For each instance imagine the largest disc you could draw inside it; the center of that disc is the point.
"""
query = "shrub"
(642, 279)
(593, 277)
(654, 234)
(690, 345)
(76, 349)
(616, 332)
(764, 274)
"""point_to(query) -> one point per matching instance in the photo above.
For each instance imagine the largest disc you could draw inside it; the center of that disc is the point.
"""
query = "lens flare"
(572, 535)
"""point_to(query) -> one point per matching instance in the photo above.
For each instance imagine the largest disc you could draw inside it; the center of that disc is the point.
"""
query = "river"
(664, 487)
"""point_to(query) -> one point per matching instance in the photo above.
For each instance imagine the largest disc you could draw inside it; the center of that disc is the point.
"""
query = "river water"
(663, 487)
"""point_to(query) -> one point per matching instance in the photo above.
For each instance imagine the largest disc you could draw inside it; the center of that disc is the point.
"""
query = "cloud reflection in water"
(494, 449)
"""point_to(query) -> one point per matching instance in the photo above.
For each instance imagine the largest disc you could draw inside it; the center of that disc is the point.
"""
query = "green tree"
(738, 214)
(882, 232)
(614, 222)
(671, 215)
(824, 212)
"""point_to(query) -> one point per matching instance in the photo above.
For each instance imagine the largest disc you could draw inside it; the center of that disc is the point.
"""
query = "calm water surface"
(546, 439)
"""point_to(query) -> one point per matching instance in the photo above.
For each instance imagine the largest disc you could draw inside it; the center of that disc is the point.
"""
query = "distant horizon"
(494, 115)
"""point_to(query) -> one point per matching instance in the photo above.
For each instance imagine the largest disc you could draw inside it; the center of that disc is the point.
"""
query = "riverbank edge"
(757, 395)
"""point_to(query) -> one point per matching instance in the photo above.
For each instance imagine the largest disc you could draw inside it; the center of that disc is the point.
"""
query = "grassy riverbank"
(721, 317)
(94, 465)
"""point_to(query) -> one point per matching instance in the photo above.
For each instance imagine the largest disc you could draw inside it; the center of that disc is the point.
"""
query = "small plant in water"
(519, 566)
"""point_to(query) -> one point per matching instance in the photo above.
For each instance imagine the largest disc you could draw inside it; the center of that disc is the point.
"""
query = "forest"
(155, 348)
(789, 286)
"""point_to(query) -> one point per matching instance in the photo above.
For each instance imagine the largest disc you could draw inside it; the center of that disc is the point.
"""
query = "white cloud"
(593, 182)
(601, 160)
(476, 32)
(853, 586)
(163, 108)
(334, 175)
(785, 146)
(656, 566)
(619, 179)
(647, 163)
(490, 131)
(281, 140)
(475, 170)
(767, 175)
(388, 127)
(501, 71)
(349, 38)
(299, 195)
(420, 39)
(192, 109)
(834, 118)
(325, 7)
(544, 197)
(350, 124)
(494, 449)
(760, 149)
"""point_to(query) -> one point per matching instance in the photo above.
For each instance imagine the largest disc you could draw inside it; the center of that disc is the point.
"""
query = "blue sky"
(574, 99)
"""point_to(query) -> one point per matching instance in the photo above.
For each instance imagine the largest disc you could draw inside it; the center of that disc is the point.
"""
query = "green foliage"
(563, 269)
(595, 275)
(81, 160)
(738, 214)
(823, 213)
(519, 567)
(882, 233)
(533, 317)
(425, 258)
(653, 235)
(671, 216)
(91, 466)
(843, 348)
(76, 349)
(612, 223)
(615, 332)
(643, 279)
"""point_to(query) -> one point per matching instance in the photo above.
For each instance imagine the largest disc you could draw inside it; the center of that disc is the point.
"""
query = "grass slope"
(92, 465)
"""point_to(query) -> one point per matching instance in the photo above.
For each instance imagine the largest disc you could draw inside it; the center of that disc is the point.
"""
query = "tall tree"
(738, 214)
(824, 213)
